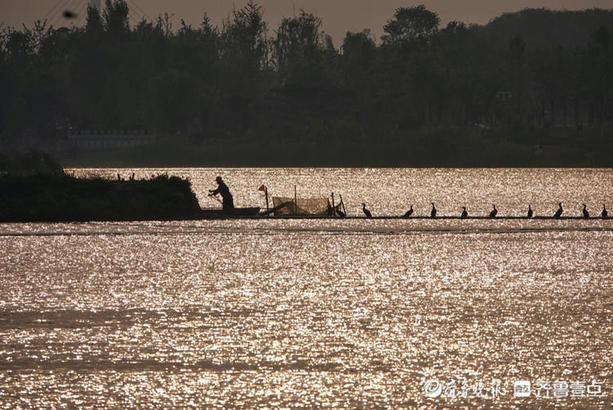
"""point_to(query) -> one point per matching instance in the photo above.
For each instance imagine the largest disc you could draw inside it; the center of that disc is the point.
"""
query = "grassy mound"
(61, 198)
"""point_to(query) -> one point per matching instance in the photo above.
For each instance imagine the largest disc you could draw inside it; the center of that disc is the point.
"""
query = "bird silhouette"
(366, 211)
(69, 14)
(604, 212)
(409, 212)
(494, 212)
(586, 214)
(340, 213)
(530, 213)
(433, 211)
(559, 211)
(464, 213)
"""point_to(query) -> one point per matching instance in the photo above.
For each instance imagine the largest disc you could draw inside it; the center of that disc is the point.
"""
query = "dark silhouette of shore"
(527, 89)
(34, 188)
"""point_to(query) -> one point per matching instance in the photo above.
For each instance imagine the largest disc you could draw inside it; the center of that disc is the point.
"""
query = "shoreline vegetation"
(532, 88)
(33, 188)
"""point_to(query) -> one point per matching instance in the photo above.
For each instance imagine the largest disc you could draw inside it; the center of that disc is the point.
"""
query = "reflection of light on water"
(308, 313)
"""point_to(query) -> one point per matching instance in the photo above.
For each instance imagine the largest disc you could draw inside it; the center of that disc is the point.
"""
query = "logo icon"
(522, 388)
(433, 388)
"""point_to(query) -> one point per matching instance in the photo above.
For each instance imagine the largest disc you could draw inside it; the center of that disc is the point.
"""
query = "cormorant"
(464, 213)
(559, 211)
(604, 212)
(586, 214)
(530, 213)
(494, 212)
(433, 211)
(69, 14)
(366, 211)
(340, 213)
(409, 212)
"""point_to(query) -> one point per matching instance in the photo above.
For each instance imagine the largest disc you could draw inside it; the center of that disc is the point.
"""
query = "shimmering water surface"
(319, 313)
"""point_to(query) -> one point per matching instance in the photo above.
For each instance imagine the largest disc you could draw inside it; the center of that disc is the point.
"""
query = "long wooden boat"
(216, 213)
(254, 213)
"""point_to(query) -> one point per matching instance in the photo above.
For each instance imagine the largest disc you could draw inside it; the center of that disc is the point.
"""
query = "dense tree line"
(535, 70)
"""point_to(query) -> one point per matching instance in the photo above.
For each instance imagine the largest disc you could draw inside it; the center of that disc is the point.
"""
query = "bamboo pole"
(343, 204)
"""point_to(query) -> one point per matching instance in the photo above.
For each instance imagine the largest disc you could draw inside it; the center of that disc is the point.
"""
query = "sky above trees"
(339, 16)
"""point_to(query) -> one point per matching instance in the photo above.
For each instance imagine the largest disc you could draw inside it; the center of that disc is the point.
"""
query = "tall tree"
(244, 37)
(411, 24)
(359, 52)
(299, 49)
(116, 17)
(93, 22)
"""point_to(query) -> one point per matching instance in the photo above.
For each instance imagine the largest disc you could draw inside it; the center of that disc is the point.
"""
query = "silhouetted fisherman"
(224, 191)
(366, 211)
(559, 211)
(604, 212)
(408, 213)
(586, 214)
(433, 211)
(530, 213)
(494, 212)
(464, 213)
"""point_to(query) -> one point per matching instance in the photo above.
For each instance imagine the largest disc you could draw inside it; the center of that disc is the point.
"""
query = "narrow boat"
(236, 212)
(254, 213)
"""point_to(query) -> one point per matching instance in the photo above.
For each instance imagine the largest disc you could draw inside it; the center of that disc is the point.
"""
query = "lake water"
(389, 313)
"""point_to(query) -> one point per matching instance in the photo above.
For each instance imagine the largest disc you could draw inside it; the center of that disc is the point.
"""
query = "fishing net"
(303, 207)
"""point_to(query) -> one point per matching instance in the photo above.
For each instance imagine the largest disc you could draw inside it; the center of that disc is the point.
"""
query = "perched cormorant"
(559, 211)
(409, 212)
(530, 213)
(586, 214)
(494, 212)
(366, 211)
(464, 213)
(433, 211)
(604, 212)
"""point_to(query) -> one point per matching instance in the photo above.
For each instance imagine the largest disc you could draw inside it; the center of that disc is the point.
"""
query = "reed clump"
(63, 198)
